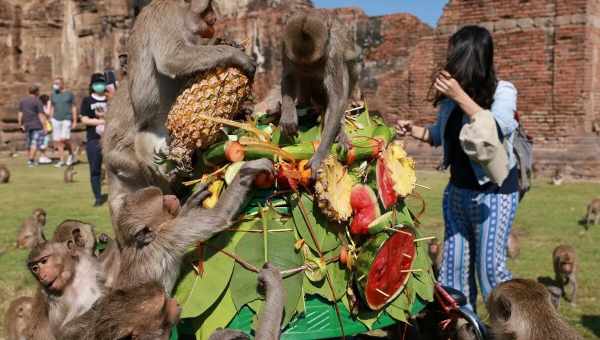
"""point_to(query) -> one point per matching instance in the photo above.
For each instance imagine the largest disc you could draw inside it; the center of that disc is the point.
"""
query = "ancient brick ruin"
(549, 49)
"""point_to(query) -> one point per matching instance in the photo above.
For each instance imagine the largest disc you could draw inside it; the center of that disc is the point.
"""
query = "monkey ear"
(504, 308)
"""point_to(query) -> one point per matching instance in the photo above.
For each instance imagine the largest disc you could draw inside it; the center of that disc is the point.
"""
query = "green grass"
(547, 217)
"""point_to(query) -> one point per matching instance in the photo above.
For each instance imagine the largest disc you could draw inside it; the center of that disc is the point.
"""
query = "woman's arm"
(503, 107)
(452, 89)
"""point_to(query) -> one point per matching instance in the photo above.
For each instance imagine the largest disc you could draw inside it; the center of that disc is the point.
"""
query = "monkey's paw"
(246, 63)
(343, 140)
(289, 122)
(253, 168)
(195, 201)
(269, 276)
(314, 164)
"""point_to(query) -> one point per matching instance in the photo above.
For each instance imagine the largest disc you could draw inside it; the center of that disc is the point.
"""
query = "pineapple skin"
(216, 93)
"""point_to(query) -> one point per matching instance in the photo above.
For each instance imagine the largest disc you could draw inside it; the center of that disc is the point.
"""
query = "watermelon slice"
(365, 209)
(383, 267)
(385, 185)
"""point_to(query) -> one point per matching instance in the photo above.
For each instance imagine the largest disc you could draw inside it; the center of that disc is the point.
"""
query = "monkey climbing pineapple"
(217, 93)
(333, 188)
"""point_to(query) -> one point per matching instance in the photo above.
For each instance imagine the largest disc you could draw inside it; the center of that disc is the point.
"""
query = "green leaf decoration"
(217, 317)
(196, 293)
(281, 253)
(397, 313)
(368, 317)
(339, 279)
(324, 233)
(403, 215)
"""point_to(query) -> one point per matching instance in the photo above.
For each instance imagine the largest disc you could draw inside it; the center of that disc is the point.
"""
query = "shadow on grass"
(591, 322)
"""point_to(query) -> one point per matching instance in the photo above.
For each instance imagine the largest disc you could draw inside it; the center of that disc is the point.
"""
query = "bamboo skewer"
(424, 239)
(382, 292)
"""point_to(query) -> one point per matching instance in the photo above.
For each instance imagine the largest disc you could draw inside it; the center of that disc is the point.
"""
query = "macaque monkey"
(521, 310)
(70, 281)
(513, 248)
(565, 270)
(558, 177)
(593, 213)
(596, 127)
(69, 174)
(154, 231)
(76, 233)
(321, 65)
(138, 312)
(31, 232)
(171, 40)
(4, 174)
(436, 253)
(17, 320)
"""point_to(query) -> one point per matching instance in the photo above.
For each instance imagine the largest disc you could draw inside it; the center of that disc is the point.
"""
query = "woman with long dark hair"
(475, 126)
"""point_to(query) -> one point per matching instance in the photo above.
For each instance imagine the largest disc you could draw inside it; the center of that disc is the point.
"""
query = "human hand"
(448, 86)
(404, 127)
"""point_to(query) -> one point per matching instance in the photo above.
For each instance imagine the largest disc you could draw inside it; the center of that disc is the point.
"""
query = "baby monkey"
(18, 318)
(69, 174)
(4, 174)
(565, 269)
(321, 66)
(593, 213)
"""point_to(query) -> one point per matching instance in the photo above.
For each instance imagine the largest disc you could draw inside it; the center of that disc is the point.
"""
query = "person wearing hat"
(93, 109)
(475, 126)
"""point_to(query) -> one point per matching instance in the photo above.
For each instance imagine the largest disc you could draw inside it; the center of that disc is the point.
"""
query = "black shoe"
(100, 201)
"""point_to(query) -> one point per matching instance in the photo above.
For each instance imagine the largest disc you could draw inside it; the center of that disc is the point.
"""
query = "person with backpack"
(475, 126)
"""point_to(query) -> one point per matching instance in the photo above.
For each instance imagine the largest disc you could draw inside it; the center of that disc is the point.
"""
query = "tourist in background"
(44, 158)
(93, 108)
(32, 121)
(64, 118)
(475, 126)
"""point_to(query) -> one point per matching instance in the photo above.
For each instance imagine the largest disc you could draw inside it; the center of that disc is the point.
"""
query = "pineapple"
(217, 93)
(333, 189)
(401, 169)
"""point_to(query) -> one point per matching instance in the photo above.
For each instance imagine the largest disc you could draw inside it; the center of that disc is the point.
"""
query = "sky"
(428, 11)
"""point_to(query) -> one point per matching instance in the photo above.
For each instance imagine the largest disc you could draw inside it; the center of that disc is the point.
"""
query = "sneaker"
(30, 163)
(59, 164)
(44, 160)
(70, 160)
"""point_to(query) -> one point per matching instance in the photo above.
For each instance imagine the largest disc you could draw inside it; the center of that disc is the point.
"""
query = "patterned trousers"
(475, 240)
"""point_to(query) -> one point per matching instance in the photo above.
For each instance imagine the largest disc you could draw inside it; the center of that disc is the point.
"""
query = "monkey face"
(201, 18)
(52, 265)
(40, 216)
(566, 267)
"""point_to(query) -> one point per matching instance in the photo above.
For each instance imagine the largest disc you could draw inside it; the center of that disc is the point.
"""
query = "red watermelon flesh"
(385, 185)
(364, 207)
(386, 277)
